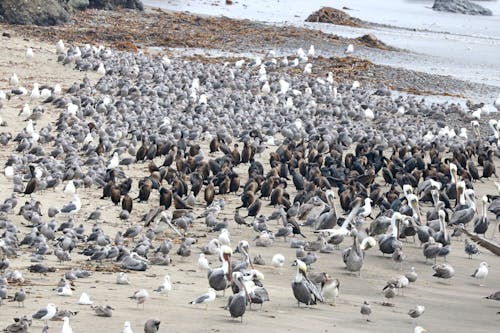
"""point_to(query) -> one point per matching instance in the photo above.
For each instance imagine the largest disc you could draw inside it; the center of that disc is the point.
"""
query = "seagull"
(103, 311)
(66, 328)
(70, 188)
(46, 313)
(420, 329)
(29, 52)
(165, 287)
(73, 207)
(14, 80)
(366, 310)
(85, 299)
(205, 298)
(122, 278)
(278, 260)
(60, 47)
(140, 297)
(203, 262)
(416, 311)
(481, 272)
(349, 49)
(19, 297)
(126, 328)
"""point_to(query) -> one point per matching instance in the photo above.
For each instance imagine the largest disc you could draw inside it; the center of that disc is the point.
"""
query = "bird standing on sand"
(46, 313)
(165, 287)
(126, 328)
(66, 328)
(481, 272)
(140, 297)
(366, 310)
(205, 298)
(19, 297)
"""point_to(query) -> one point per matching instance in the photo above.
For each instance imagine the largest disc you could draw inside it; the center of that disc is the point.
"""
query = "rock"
(334, 16)
(38, 12)
(460, 6)
(114, 4)
(79, 4)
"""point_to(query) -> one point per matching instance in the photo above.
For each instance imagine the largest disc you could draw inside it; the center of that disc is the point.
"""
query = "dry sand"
(457, 305)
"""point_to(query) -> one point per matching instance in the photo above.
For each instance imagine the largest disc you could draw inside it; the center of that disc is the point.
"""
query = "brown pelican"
(482, 223)
(388, 244)
(353, 257)
(237, 304)
(464, 215)
(431, 249)
(220, 278)
(303, 289)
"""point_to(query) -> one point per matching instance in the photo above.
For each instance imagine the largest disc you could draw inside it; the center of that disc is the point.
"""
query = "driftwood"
(487, 244)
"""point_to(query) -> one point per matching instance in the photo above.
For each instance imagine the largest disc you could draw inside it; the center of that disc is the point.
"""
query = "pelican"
(482, 222)
(431, 249)
(303, 289)
(237, 304)
(388, 244)
(467, 214)
(220, 278)
(353, 256)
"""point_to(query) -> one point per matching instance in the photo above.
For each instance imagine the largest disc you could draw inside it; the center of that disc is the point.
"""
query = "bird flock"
(181, 158)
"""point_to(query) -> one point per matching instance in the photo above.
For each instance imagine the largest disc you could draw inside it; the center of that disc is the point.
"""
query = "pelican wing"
(492, 247)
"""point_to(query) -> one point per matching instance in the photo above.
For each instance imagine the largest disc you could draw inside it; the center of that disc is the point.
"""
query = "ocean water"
(463, 46)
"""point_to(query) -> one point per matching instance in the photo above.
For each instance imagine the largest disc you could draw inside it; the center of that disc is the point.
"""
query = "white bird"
(72, 109)
(85, 299)
(278, 260)
(165, 287)
(122, 278)
(239, 63)
(284, 86)
(101, 69)
(88, 139)
(30, 128)
(70, 188)
(284, 61)
(45, 93)
(295, 62)
(3, 95)
(224, 237)
(66, 328)
(140, 297)
(126, 328)
(420, 329)
(57, 89)
(73, 207)
(481, 272)
(29, 52)
(203, 262)
(60, 47)
(14, 80)
(355, 85)
(205, 298)
(311, 51)
(46, 313)
(35, 92)
(203, 99)
(64, 290)
(114, 162)
(9, 172)
(307, 69)
(369, 115)
(165, 60)
(401, 110)
(349, 49)
(477, 114)
(262, 70)
(266, 88)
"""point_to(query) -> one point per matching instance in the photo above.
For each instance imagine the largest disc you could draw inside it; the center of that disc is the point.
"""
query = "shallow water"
(463, 46)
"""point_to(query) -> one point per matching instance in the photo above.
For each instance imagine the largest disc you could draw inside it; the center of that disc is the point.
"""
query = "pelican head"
(407, 189)
(301, 266)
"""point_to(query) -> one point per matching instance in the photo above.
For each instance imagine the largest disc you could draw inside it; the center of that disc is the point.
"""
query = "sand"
(456, 305)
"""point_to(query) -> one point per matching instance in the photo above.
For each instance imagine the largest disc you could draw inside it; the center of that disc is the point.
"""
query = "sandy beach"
(455, 305)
